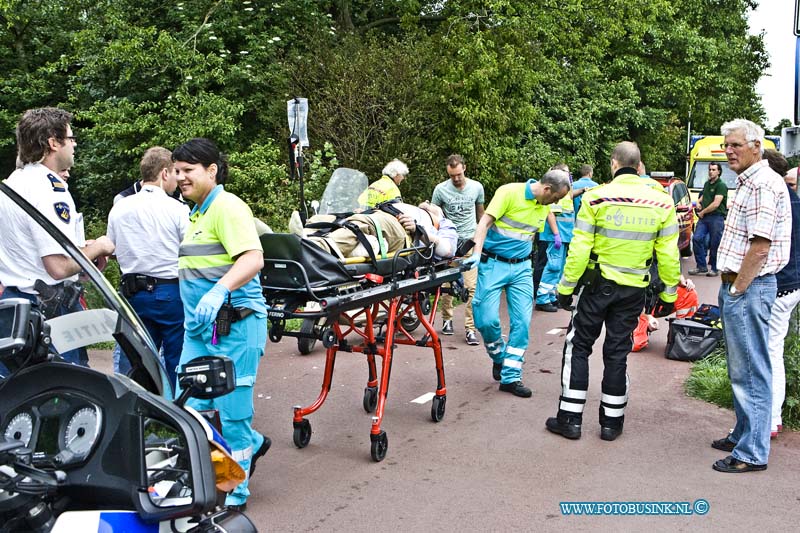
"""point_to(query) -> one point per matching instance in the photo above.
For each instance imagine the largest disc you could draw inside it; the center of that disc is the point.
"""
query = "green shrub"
(791, 359)
(709, 379)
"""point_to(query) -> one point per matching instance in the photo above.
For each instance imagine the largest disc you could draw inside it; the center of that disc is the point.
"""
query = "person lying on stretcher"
(388, 228)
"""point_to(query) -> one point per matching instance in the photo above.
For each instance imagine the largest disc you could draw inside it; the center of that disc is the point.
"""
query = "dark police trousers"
(618, 307)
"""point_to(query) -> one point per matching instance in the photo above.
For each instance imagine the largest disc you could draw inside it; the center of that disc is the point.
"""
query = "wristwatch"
(732, 290)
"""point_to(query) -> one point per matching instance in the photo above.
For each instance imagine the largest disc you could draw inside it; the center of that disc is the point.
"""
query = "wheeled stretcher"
(381, 302)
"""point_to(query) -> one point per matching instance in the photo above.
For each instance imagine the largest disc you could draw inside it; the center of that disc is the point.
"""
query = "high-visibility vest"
(379, 191)
(619, 226)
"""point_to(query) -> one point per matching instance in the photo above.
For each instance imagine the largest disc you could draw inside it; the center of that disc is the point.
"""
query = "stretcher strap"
(339, 223)
(379, 232)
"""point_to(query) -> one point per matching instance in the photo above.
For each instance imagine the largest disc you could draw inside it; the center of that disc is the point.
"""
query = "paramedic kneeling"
(220, 260)
(503, 242)
(619, 226)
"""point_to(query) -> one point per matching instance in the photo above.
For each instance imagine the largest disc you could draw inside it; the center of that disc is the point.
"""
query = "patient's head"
(434, 211)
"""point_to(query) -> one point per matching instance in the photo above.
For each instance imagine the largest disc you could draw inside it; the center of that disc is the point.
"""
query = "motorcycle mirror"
(206, 377)
(14, 317)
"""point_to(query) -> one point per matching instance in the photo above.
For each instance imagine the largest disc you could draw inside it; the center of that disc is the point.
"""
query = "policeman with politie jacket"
(619, 226)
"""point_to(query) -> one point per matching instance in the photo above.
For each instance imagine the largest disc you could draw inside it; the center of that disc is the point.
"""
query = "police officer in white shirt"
(46, 146)
(147, 229)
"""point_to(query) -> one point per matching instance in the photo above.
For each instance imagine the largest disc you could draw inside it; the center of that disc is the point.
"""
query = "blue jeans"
(494, 277)
(709, 228)
(745, 320)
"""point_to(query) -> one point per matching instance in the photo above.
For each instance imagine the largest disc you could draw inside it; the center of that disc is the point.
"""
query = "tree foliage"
(515, 86)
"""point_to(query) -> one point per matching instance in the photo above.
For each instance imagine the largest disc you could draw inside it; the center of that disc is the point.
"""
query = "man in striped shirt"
(755, 245)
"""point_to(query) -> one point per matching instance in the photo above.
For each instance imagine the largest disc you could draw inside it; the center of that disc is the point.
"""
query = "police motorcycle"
(83, 450)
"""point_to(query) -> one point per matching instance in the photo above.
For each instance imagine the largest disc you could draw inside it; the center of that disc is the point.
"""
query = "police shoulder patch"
(57, 184)
(62, 210)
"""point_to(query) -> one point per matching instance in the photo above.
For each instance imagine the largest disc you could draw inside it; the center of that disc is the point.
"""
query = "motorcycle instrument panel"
(62, 428)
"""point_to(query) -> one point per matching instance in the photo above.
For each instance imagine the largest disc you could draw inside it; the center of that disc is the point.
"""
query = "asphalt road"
(490, 464)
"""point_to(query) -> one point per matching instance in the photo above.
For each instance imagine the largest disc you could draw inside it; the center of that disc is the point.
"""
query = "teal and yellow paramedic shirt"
(518, 217)
(219, 231)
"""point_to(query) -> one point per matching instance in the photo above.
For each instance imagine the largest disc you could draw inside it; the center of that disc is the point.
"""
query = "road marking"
(425, 398)
(555, 331)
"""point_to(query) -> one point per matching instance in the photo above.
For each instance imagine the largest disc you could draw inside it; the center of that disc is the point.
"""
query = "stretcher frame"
(403, 287)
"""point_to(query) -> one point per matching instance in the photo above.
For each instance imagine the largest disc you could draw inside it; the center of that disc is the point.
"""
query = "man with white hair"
(755, 246)
(385, 189)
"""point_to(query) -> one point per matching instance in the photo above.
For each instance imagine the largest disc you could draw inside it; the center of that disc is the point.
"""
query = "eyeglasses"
(735, 146)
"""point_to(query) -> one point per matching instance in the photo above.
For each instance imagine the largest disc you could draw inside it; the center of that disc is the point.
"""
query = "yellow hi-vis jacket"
(618, 227)
(379, 191)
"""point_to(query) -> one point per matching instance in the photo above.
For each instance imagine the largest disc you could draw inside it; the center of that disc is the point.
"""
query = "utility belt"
(227, 315)
(133, 283)
(485, 256)
(62, 295)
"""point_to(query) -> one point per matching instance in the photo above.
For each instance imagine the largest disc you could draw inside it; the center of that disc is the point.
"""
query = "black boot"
(517, 389)
(496, 368)
(568, 426)
(610, 433)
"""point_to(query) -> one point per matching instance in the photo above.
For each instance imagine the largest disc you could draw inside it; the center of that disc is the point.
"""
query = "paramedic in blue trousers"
(557, 243)
(503, 242)
(219, 264)
(619, 226)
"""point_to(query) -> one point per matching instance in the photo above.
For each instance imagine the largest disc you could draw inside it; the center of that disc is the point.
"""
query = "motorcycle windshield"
(101, 320)
(342, 192)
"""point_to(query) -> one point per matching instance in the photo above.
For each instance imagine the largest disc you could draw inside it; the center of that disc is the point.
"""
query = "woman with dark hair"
(220, 259)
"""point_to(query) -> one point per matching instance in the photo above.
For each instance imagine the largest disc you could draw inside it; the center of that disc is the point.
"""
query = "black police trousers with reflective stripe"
(618, 308)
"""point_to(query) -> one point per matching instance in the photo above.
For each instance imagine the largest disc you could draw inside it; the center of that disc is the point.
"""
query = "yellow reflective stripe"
(627, 235)
(669, 230)
(513, 234)
(201, 249)
(214, 272)
(518, 225)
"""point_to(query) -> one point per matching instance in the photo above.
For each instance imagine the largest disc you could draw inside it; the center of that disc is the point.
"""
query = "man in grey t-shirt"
(462, 201)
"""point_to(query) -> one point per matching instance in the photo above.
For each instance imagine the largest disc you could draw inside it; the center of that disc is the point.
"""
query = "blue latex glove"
(557, 242)
(471, 261)
(209, 304)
